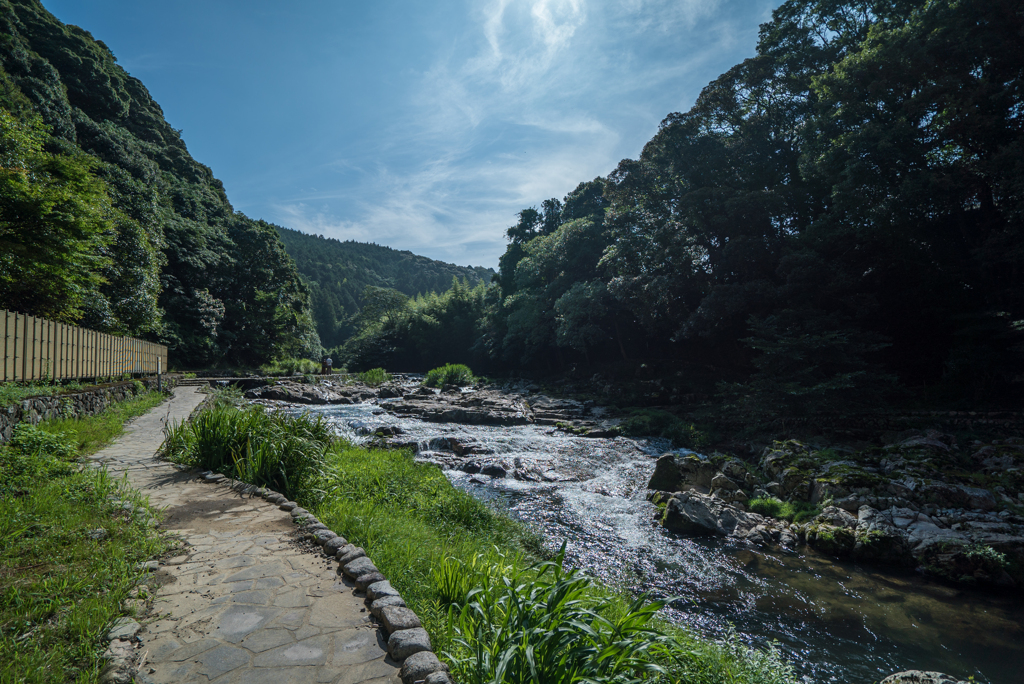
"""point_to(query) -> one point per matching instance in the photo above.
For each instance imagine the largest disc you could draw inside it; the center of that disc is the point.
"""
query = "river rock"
(720, 481)
(405, 643)
(379, 590)
(366, 579)
(296, 393)
(383, 602)
(699, 514)
(349, 553)
(492, 470)
(921, 677)
(673, 472)
(333, 545)
(418, 666)
(396, 618)
(389, 392)
(359, 566)
(880, 540)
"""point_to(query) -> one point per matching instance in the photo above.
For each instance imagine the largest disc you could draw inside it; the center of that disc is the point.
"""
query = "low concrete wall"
(89, 402)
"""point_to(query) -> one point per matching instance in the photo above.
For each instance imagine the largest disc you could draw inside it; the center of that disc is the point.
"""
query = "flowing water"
(835, 621)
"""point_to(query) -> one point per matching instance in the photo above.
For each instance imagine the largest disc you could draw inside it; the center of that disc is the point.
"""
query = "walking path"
(244, 603)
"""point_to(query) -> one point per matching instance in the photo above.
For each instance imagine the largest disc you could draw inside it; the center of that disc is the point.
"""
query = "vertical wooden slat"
(8, 346)
(45, 340)
(31, 337)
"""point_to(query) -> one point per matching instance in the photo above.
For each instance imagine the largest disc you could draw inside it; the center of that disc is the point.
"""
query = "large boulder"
(879, 538)
(296, 393)
(673, 472)
(698, 514)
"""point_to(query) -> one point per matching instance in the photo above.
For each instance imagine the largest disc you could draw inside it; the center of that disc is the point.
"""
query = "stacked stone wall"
(88, 402)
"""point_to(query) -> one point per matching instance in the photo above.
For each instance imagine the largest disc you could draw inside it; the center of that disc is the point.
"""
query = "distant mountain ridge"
(338, 271)
(107, 221)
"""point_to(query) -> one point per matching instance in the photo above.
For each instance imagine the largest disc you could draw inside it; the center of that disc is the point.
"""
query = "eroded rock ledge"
(921, 502)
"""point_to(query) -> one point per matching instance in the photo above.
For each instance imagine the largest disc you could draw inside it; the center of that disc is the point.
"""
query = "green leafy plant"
(545, 624)
(375, 377)
(450, 374)
(291, 367)
(257, 446)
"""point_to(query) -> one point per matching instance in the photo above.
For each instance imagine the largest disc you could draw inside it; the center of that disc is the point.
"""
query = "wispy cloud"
(535, 97)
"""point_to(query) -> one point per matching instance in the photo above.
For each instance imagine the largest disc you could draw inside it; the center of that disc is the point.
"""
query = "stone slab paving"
(244, 602)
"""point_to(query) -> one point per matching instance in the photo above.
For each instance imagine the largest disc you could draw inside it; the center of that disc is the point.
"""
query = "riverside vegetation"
(835, 225)
(492, 603)
(72, 542)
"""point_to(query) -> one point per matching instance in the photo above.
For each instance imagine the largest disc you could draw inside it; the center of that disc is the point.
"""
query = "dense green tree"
(56, 225)
(842, 207)
(144, 241)
(338, 273)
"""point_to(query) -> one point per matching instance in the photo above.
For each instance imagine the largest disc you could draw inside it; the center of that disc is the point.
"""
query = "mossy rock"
(835, 541)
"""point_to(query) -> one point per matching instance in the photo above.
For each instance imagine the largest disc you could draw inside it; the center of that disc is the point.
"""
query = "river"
(835, 621)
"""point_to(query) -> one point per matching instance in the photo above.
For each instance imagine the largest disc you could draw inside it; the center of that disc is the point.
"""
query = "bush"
(13, 392)
(658, 423)
(264, 448)
(450, 374)
(291, 367)
(375, 377)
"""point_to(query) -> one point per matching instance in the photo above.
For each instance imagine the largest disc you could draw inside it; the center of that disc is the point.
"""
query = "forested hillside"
(338, 274)
(837, 220)
(106, 220)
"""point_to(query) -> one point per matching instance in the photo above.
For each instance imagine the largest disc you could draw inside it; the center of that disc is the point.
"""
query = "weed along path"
(243, 602)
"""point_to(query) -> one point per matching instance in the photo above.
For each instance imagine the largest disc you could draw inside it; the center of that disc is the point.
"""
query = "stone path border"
(247, 601)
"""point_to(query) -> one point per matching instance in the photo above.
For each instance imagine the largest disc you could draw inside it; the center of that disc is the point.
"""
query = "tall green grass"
(13, 392)
(255, 445)
(480, 581)
(375, 377)
(450, 374)
(60, 586)
(291, 367)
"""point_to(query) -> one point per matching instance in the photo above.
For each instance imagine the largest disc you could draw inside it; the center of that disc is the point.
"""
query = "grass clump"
(659, 423)
(543, 623)
(291, 367)
(72, 541)
(375, 377)
(450, 374)
(13, 392)
(262, 447)
(796, 512)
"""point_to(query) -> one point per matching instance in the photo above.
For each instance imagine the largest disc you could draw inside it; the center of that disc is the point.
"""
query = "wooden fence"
(36, 349)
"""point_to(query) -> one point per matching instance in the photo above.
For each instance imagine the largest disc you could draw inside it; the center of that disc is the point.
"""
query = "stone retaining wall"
(89, 402)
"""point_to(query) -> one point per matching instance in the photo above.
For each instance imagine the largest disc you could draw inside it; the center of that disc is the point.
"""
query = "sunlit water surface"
(835, 621)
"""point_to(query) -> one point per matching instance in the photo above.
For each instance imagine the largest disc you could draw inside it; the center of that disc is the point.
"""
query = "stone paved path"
(244, 603)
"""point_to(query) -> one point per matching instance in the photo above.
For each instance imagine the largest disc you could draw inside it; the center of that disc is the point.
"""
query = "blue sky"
(419, 125)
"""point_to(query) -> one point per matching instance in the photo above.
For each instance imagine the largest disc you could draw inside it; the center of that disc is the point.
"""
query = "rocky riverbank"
(480, 405)
(952, 512)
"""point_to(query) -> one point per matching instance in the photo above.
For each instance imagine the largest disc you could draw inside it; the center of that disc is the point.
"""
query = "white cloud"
(538, 96)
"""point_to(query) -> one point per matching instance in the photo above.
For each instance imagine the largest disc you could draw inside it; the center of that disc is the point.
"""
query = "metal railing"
(37, 349)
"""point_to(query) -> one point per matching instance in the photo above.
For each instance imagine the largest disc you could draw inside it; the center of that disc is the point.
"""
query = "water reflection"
(838, 622)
